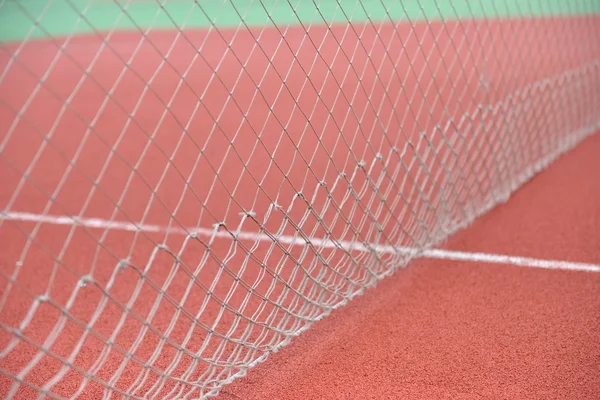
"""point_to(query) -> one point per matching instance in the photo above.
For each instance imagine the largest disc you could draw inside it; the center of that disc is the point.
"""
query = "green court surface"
(65, 17)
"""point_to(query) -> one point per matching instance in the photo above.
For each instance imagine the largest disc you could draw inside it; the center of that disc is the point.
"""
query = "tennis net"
(188, 185)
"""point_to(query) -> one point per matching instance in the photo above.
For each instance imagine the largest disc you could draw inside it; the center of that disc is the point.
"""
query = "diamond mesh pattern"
(189, 185)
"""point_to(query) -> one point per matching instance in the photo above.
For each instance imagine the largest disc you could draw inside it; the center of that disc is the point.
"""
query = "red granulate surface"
(555, 216)
(431, 330)
(468, 330)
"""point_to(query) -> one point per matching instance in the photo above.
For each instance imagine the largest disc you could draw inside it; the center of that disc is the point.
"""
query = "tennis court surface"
(329, 199)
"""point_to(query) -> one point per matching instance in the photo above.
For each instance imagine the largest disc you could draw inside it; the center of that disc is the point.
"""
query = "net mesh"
(187, 185)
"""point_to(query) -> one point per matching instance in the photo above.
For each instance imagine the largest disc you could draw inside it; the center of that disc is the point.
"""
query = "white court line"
(316, 242)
